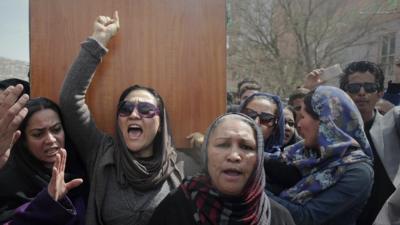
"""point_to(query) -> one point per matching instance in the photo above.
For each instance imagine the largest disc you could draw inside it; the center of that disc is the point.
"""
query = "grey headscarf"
(252, 206)
(146, 174)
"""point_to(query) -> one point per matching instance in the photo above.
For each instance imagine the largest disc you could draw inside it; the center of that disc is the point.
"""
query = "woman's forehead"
(233, 125)
(141, 95)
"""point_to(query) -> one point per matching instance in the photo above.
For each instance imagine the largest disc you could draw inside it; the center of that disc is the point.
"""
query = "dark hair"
(20, 152)
(363, 67)
(249, 86)
(291, 109)
(230, 97)
(246, 81)
(308, 105)
(4, 84)
(160, 104)
(298, 93)
(264, 97)
(35, 105)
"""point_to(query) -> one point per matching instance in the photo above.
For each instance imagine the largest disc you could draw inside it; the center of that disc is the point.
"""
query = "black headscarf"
(24, 176)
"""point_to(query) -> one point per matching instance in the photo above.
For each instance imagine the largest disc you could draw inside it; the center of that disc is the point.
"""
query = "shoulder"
(279, 214)
(175, 197)
(357, 178)
(174, 209)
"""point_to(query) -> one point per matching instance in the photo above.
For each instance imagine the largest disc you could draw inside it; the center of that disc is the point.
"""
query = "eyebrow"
(245, 140)
(44, 128)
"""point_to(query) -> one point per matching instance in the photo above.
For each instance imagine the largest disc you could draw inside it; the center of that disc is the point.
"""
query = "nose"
(135, 114)
(257, 120)
(362, 91)
(234, 155)
(50, 138)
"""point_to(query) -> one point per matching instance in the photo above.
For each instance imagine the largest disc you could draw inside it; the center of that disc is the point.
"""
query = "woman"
(334, 159)
(231, 189)
(266, 110)
(291, 136)
(33, 190)
(129, 174)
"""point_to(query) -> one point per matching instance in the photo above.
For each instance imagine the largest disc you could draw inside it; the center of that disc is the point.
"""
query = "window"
(388, 54)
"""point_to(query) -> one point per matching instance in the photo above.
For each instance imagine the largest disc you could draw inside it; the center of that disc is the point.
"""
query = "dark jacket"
(178, 210)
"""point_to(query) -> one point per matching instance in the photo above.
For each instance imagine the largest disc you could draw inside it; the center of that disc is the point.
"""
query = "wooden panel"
(175, 46)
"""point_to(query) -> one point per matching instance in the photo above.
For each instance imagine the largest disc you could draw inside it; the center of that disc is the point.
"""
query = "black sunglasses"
(354, 88)
(289, 123)
(266, 119)
(145, 109)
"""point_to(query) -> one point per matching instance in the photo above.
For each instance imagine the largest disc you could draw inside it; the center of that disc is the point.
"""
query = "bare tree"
(279, 41)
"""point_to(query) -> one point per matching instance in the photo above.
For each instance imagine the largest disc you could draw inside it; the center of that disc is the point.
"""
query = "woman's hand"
(105, 28)
(12, 113)
(57, 187)
(313, 79)
(196, 139)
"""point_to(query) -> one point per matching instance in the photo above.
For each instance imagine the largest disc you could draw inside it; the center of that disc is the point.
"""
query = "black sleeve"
(280, 173)
(174, 209)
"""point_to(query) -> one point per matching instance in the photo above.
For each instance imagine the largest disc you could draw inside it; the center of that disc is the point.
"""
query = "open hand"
(313, 79)
(57, 187)
(12, 113)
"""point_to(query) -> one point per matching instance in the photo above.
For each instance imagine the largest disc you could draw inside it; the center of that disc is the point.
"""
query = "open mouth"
(52, 151)
(232, 172)
(135, 131)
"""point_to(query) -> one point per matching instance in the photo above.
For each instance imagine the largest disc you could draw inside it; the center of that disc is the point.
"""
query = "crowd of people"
(328, 155)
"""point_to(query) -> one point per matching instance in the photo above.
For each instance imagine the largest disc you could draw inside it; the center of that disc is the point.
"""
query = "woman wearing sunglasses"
(131, 173)
(266, 110)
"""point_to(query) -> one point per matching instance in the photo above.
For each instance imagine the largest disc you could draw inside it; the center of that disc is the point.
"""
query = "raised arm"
(78, 120)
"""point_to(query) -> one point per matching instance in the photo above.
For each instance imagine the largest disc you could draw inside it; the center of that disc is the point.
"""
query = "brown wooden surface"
(175, 46)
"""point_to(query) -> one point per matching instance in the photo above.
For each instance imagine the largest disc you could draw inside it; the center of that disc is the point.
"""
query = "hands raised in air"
(105, 28)
(57, 187)
(12, 113)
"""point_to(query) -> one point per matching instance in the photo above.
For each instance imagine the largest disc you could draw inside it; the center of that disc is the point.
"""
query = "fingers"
(63, 159)
(315, 74)
(192, 143)
(73, 184)
(10, 95)
(4, 158)
(116, 18)
(52, 187)
(16, 135)
(9, 100)
(105, 20)
(16, 115)
(57, 163)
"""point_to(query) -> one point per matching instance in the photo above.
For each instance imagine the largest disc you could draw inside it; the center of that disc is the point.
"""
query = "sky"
(14, 29)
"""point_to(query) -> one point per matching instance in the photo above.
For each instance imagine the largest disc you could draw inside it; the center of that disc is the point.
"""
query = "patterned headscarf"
(213, 207)
(342, 141)
(273, 145)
